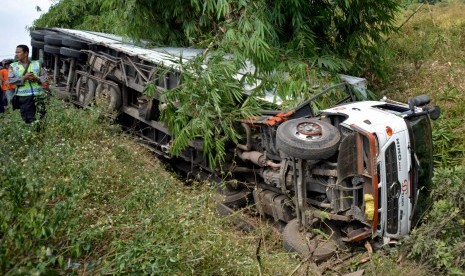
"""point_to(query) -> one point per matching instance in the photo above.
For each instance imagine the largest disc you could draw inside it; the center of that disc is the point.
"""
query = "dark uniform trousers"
(30, 105)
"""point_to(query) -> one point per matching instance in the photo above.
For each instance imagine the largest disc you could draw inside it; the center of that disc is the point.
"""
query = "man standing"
(28, 76)
(8, 89)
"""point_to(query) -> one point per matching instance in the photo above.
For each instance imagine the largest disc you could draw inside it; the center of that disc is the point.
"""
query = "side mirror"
(434, 112)
(418, 101)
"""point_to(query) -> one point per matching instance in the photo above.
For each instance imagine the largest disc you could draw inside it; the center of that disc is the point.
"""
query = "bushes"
(429, 60)
(79, 197)
(439, 241)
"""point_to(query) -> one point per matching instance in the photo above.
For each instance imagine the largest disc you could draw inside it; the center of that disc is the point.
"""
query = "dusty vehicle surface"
(333, 176)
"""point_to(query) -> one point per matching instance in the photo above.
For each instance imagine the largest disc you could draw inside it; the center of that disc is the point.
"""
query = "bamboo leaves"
(211, 102)
(285, 46)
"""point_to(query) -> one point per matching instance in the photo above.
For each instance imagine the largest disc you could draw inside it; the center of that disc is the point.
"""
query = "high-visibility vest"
(29, 88)
(4, 75)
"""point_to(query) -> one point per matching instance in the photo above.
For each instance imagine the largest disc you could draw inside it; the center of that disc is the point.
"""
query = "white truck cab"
(402, 160)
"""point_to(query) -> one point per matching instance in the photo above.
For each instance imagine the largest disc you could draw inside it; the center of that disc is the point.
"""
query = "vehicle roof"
(171, 56)
(168, 56)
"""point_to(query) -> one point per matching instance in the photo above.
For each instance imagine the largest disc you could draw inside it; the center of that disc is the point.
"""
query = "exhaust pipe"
(257, 158)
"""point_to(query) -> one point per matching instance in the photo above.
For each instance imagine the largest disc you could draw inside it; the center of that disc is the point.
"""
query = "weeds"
(427, 57)
(439, 240)
(78, 197)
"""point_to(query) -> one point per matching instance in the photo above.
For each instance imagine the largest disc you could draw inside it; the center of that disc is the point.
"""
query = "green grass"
(79, 197)
(427, 56)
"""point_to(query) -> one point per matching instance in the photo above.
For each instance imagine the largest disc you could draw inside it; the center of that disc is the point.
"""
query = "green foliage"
(419, 40)
(449, 146)
(208, 105)
(439, 240)
(83, 14)
(264, 32)
(79, 198)
(448, 143)
(433, 33)
(288, 43)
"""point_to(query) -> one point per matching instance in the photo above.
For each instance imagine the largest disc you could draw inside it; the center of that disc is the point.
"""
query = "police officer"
(28, 77)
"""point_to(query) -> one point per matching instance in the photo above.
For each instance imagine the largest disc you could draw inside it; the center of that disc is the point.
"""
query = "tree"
(294, 46)
(80, 14)
(265, 32)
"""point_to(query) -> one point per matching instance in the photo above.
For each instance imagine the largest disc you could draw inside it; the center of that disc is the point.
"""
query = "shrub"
(79, 197)
(439, 241)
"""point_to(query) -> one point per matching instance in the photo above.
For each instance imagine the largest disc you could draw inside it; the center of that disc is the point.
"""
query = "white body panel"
(374, 120)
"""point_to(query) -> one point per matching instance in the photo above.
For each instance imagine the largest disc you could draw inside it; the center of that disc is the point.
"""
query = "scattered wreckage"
(344, 174)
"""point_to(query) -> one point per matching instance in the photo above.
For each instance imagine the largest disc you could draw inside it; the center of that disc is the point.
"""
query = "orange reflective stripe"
(279, 118)
(271, 121)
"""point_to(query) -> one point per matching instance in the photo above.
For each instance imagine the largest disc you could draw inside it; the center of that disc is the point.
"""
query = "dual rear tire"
(58, 44)
(87, 89)
(106, 95)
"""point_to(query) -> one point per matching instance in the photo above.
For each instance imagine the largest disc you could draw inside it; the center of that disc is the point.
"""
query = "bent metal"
(338, 170)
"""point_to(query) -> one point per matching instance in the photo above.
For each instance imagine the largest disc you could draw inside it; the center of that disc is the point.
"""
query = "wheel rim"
(104, 97)
(85, 90)
(108, 97)
(307, 138)
(308, 131)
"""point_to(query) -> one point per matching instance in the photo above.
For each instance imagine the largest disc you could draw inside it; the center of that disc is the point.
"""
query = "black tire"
(74, 43)
(37, 44)
(296, 241)
(52, 49)
(234, 199)
(53, 39)
(39, 35)
(309, 139)
(68, 52)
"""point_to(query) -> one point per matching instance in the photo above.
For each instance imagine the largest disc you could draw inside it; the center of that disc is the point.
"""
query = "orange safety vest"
(5, 85)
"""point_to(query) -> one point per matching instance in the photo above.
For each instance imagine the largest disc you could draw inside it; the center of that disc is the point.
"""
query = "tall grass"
(439, 241)
(428, 57)
(79, 197)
